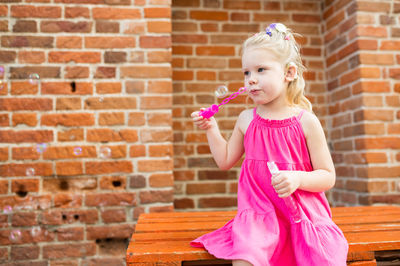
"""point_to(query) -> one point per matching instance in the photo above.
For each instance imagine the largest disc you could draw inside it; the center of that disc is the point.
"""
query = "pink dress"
(262, 232)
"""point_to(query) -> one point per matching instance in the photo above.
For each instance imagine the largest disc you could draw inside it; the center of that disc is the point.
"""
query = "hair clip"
(279, 27)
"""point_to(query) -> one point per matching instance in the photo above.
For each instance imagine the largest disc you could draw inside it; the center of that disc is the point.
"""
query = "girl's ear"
(291, 72)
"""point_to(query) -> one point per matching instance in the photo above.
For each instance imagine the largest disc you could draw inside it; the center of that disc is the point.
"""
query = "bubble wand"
(213, 109)
(289, 201)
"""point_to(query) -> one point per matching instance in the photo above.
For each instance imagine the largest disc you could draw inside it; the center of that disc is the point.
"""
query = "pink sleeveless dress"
(262, 232)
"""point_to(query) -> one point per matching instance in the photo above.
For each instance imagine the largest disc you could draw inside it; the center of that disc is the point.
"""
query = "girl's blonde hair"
(280, 41)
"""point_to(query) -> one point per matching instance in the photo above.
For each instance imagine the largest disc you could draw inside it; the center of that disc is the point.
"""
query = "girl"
(282, 129)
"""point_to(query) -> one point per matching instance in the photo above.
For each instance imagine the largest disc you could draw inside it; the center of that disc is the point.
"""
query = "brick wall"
(100, 112)
(207, 36)
(362, 41)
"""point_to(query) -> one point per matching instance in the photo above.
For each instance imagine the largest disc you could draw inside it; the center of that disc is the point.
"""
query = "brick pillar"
(362, 43)
(101, 108)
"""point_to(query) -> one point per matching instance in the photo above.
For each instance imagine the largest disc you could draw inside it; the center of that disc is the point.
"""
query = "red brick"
(216, 50)
(69, 42)
(111, 199)
(67, 152)
(157, 12)
(65, 88)
(29, 185)
(41, 169)
(155, 165)
(217, 202)
(31, 57)
(69, 168)
(38, 136)
(110, 42)
(31, 104)
(108, 87)
(156, 196)
(116, 13)
(159, 26)
(159, 57)
(155, 42)
(26, 11)
(155, 135)
(67, 120)
(110, 103)
(113, 216)
(209, 15)
(111, 119)
(70, 135)
(145, 72)
(67, 200)
(108, 167)
(24, 219)
(25, 252)
(29, 119)
(113, 182)
(76, 12)
(70, 234)
(77, 57)
(68, 250)
(137, 151)
(161, 180)
(109, 231)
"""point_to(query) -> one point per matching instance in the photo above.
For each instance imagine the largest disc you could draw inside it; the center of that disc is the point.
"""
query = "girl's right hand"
(201, 122)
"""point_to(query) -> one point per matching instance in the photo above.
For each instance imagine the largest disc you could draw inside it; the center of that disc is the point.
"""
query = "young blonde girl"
(283, 129)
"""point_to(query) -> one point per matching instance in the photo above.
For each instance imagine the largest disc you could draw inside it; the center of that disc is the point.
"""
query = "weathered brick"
(113, 216)
(111, 199)
(65, 26)
(109, 231)
(68, 250)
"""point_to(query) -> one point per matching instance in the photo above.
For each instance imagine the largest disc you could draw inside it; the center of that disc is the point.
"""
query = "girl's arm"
(323, 176)
(225, 153)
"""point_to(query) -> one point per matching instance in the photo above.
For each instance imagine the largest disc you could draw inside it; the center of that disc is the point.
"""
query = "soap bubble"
(101, 99)
(34, 78)
(221, 91)
(7, 209)
(35, 231)
(77, 151)
(41, 147)
(2, 84)
(105, 152)
(30, 171)
(15, 235)
(2, 70)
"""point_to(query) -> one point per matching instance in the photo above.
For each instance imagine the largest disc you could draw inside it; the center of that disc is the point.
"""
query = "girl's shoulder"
(309, 122)
(244, 119)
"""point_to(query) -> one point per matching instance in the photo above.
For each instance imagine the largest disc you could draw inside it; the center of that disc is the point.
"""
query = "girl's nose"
(252, 80)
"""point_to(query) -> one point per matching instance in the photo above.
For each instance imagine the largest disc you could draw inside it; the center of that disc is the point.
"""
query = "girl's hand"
(201, 122)
(285, 183)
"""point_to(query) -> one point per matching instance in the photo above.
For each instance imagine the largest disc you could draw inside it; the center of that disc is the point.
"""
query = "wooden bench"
(163, 238)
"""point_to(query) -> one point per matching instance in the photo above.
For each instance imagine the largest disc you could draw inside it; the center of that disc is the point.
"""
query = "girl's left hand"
(285, 183)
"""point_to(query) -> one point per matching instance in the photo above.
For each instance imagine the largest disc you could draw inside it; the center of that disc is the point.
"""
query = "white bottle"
(289, 201)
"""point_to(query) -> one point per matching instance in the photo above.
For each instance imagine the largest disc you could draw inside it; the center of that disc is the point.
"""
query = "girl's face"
(264, 76)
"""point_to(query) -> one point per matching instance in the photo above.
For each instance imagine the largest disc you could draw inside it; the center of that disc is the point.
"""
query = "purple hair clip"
(279, 27)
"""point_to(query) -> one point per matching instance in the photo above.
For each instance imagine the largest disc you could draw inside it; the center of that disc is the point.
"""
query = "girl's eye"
(260, 69)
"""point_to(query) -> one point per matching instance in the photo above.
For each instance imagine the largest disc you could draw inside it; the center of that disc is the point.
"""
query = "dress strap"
(254, 112)
(301, 114)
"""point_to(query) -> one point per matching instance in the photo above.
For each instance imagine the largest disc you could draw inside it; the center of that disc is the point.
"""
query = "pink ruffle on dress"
(262, 232)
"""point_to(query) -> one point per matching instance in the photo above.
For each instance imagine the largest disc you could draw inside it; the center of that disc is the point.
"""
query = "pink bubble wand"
(213, 109)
